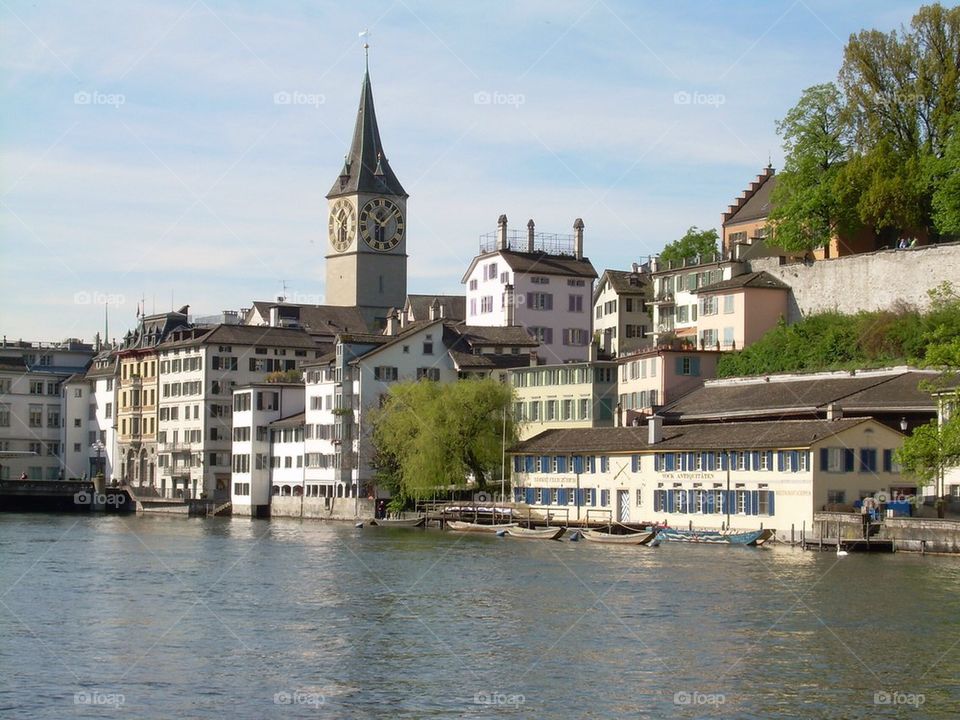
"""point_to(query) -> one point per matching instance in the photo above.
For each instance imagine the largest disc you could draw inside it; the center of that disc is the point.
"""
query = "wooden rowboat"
(460, 526)
(599, 536)
(399, 522)
(550, 533)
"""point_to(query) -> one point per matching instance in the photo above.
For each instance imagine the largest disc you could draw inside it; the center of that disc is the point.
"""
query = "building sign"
(693, 476)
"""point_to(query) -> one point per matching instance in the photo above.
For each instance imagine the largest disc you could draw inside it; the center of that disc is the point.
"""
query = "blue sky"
(144, 153)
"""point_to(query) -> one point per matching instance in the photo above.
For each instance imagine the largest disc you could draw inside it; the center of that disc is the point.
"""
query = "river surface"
(109, 616)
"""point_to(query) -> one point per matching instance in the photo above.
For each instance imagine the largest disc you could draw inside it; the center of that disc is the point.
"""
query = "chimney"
(534, 360)
(502, 243)
(435, 313)
(509, 305)
(636, 267)
(834, 412)
(393, 323)
(578, 238)
(530, 233)
(654, 429)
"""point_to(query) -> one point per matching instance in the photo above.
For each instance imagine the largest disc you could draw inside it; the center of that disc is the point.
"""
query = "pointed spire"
(365, 168)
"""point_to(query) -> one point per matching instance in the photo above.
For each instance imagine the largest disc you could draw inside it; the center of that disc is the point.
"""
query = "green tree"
(284, 376)
(929, 451)
(944, 177)
(429, 435)
(807, 209)
(693, 244)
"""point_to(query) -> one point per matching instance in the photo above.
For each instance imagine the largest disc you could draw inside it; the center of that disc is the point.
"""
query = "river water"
(111, 616)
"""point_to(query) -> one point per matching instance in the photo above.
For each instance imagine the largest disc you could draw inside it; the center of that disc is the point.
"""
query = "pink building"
(540, 281)
(737, 312)
(652, 378)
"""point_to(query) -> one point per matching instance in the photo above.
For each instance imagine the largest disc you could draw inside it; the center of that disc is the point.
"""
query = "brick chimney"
(578, 238)
(502, 242)
(530, 232)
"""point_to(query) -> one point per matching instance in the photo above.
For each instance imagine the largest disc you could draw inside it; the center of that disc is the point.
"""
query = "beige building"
(741, 476)
(621, 318)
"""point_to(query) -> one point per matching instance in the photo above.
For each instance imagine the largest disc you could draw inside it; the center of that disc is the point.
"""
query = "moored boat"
(634, 538)
(716, 537)
(549, 533)
(399, 522)
(460, 526)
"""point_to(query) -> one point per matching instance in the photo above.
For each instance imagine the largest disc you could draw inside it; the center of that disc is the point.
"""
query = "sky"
(174, 153)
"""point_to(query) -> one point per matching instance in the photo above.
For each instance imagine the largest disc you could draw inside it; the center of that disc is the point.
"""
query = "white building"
(342, 386)
(199, 369)
(267, 417)
(541, 282)
(32, 405)
(621, 319)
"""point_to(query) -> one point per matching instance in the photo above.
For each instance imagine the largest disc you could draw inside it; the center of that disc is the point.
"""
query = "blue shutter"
(604, 497)
(531, 496)
(770, 510)
(545, 465)
(578, 464)
(724, 460)
(656, 500)
(779, 460)
(824, 459)
(561, 463)
(562, 496)
(755, 502)
(670, 501)
(633, 463)
(531, 465)
(668, 459)
(516, 463)
(593, 463)
(656, 462)
(679, 366)
(708, 503)
(755, 462)
(695, 366)
(545, 492)
(725, 501)
(795, 460)
(848, 458)
(580, 498)
(888, 460)
(691, 496)
(770, 460)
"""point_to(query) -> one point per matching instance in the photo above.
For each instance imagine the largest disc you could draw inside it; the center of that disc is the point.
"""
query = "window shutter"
(708, 504)
(755, 460)
(691, 499)
(695, 366)
(580, 498)
(724, 458)
(795, 460)
(770, 460)
(634, 461)
(824, 459)
(779, 460)
(725, 501)
(679, 366)
(848, 458)
(562, 496)
(770, 509)
(755, 502)
(670, 501)
(531, 496)
(887, 460)
(604, 497)
(656, 462)
(545, 466)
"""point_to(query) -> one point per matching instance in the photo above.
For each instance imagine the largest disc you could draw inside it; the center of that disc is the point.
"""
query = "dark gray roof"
(366, 169)
(454, 306)
(762, 280)
(757, 206)
(488, 361)
(711, 436)
(625, 282)
(538, 263)
(289, 421)
(507, 335)
(318, 319)
(808, 395)
(246, 335)
(12, 363)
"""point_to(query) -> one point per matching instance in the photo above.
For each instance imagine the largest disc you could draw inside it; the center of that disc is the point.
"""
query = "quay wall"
(320, 508)
(869, 281)
(923, 534)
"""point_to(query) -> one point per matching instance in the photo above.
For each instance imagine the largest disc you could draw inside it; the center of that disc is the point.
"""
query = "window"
(741, 502)
(486, 304)
(428, 374)
(868, 459)
(688, 366)
(836, 459)
(4, 416)
(588, 496)
(728, 337)
(554, 496)
(728, 304)
(539, 496)
(836, 497)
(575, 304)
(473, 284)
(385, 373)
(575, 337)
(708, 305)
(540, 280)
(540, 301)
(639, 497)
(543, 335)
(427, 347)
(708, 338)
(36, 417)
(490, 272)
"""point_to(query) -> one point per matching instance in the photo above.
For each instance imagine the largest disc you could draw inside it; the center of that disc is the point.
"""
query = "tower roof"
(365, 168)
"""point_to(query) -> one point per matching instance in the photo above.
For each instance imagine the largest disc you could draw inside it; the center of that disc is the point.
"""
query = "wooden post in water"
(791, 533)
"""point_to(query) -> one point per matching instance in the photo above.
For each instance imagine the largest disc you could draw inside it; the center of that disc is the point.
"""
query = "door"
(623, 505)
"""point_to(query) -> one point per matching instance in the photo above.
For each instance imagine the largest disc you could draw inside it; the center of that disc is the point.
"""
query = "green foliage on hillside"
(832, 341)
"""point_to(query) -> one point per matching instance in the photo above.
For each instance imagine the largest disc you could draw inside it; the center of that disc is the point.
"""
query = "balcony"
(175, 447)
(663, 298)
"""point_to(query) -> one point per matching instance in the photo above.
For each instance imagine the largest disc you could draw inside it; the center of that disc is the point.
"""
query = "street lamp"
(903, 424)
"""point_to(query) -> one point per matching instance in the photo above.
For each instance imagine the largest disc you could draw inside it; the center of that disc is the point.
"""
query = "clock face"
(381, 224)
(343, 225)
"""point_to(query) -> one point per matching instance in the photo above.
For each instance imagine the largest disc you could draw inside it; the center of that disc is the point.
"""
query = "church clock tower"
(367, 228)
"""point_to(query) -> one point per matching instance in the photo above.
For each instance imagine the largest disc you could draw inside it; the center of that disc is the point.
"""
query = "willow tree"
(429, 436)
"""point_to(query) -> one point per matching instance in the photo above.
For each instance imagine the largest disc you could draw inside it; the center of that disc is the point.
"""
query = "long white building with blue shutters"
(712, 476)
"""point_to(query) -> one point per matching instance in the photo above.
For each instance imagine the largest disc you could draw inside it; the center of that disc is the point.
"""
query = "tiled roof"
(762, 280)
(758, 205)
(488, 361)
(319, 318)
(758, 397)
(454, 306)
(622, 284)
(710, 436)
(289, 421)
(507, 335)
(247, 335)
(538, 263)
